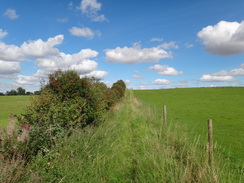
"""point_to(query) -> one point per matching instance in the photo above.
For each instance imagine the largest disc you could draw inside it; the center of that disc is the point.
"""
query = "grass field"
(11, 105)
(192, 107)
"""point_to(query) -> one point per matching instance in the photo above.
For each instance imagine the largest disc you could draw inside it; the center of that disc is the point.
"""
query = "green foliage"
(20, 91)
(66, 103)
(119, 88)
(11, 92)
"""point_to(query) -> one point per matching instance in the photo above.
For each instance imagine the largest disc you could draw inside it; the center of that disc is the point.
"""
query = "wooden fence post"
(210, 142)
(165, 115)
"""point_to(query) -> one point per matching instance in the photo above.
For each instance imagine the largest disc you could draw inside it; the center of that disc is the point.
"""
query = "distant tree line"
(20, 91)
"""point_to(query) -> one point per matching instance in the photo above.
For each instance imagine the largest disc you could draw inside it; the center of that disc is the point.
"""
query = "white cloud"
(135, 55)
(96, 74)
(161, 82)
(137, 77)
(66, 61)
(3, 33)
(169, 45)
(11, 14)
(225, 38)
(8, 68)
(158, 82)
(90, 8)
(165, 70)
(83, 32)
(11, 53)
(213, 78)
(39, 48)
(47, 58)
(156, 39)
(223, 75)
(137, 72)
(79, 61)
(26, 80)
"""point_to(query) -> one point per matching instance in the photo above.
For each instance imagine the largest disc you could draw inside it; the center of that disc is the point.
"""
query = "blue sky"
(148, 44)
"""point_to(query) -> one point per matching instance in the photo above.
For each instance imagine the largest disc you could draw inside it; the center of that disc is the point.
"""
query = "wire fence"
(229, 138)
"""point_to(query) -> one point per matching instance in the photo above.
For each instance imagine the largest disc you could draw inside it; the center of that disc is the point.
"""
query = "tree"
(20, 91)
(11, 92)
(37, 92)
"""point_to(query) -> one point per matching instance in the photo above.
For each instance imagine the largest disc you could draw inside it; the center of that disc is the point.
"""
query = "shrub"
(119, 88)
(66, 103)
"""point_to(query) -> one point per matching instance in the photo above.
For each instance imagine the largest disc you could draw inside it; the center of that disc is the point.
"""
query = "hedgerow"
(66, 103)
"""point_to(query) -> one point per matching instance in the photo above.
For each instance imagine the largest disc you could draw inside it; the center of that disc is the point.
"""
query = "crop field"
(11, 105)
(192, 107)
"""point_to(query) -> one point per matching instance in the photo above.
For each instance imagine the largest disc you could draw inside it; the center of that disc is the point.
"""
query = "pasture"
(192, 107)
(11, 105)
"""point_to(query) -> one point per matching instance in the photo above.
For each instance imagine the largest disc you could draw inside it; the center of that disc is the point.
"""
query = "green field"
(11, 105)
(192, 107)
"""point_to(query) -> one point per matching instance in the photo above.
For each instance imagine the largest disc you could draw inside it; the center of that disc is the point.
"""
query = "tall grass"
(191, 107)
(131, 145)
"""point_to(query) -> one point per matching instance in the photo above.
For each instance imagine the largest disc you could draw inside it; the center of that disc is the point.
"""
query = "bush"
(119, 88)
(66, 103)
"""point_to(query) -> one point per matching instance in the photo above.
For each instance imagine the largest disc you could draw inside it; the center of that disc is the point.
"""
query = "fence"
(219, 133)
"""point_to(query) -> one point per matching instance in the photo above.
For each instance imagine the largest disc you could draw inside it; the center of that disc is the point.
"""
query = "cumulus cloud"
(133, 55)
(223, 75)
(9, 68)
(233, 72)
(161, 82)
(48, 59)
(213, 78)
(79, 61)
(165, 70)
(26, 80)
(3, 33)
(11, 14)
(11, 53)
(225, 38)
(83, 32)
(97, 74)
(90, 8)
(158, 82)
(137, 77)
(39, 48)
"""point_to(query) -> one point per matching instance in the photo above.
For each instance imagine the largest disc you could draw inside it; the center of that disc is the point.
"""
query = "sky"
(150, 44)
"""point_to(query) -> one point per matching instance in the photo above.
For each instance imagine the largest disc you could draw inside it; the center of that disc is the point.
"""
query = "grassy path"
(131, 145)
